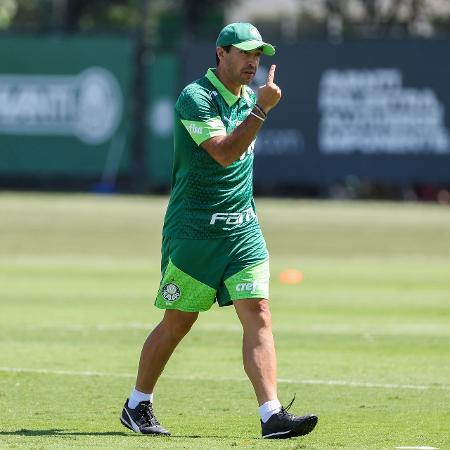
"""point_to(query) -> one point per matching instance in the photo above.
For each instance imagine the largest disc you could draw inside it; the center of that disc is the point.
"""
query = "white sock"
(137, 396)
(269, 408)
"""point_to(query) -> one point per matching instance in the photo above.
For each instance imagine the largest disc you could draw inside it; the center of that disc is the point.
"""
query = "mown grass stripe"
(344, 383)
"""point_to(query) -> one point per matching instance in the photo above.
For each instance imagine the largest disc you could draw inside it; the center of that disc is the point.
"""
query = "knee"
(263, 313)
(258, 313)
(178, 323)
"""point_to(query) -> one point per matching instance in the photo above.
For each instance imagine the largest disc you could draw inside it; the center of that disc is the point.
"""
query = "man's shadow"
(59, 432)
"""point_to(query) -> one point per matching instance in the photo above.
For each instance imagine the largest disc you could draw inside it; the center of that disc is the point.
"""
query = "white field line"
(357, 384)
(420, 448)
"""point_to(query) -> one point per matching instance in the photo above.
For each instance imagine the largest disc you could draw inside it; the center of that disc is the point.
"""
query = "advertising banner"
(63, 104)
(378, 110)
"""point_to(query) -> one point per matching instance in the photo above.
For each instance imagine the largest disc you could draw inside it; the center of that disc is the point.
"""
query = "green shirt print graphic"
(207, 199)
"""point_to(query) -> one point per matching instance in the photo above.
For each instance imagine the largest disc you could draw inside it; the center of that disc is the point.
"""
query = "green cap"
(245, 37)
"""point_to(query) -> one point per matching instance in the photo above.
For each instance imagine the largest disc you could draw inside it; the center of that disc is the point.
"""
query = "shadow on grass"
(209, 436)
(58, 432)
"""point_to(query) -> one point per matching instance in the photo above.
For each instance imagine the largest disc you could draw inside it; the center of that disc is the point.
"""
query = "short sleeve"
(199, 114)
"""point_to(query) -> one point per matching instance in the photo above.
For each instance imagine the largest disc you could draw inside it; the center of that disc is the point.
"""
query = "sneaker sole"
(304, 428)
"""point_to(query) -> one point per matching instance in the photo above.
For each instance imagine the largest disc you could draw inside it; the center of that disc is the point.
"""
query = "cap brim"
(267, 49)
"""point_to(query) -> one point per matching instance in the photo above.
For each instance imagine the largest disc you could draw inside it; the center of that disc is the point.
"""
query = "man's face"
(239, 66)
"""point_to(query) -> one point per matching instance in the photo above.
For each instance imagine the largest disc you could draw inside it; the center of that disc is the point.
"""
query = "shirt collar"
(228, 96)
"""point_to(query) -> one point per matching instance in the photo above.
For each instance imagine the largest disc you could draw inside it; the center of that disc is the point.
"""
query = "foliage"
(365, 17)
(378, 17)
(94, 15)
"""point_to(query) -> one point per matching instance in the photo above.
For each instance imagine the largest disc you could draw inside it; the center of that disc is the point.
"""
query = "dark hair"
(227, 49)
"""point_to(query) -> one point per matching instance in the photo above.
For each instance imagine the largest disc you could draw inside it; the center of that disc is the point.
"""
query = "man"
(213, 249)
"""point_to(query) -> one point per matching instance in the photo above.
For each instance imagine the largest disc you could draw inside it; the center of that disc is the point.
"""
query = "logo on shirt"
(233, 218)
(249, 151)
(171, 292)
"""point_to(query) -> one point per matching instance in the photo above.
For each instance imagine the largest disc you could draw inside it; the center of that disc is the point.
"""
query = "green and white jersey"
(208, 200)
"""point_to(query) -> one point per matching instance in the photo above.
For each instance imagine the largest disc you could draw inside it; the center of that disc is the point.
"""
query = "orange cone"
(291, 276)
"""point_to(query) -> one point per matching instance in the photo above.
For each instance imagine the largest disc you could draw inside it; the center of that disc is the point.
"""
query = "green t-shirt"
(208, 200)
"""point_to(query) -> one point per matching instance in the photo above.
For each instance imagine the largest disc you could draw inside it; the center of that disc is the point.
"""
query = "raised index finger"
(271, 74)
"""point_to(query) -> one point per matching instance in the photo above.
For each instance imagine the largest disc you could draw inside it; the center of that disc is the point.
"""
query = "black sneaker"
(284, 425)
(142, 419)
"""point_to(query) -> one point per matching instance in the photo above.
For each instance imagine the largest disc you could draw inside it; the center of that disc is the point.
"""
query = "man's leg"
(260, 365)
(137, 413)
(160, 345)
(258, 347)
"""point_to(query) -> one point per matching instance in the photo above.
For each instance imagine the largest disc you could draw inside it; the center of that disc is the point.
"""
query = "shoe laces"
(284, 410)
(146, 413)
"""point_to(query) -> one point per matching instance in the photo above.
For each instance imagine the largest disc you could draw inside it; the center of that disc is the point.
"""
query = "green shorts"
(197, 272)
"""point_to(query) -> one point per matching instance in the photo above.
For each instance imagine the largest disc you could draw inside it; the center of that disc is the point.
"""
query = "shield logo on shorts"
(171, 292)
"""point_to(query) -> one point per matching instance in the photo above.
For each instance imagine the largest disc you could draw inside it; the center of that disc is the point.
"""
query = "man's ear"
(220, 51)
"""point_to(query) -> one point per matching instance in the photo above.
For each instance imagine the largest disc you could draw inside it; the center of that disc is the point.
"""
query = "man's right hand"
(269, 94)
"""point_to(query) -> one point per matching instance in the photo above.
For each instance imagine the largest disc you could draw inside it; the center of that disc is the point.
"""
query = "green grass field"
(364, 340)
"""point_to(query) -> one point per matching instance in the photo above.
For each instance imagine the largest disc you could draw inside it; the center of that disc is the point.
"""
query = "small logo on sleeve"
(193, 129)
(171, 292)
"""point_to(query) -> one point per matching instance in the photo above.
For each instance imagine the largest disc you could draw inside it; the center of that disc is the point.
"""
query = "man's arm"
(227, 149)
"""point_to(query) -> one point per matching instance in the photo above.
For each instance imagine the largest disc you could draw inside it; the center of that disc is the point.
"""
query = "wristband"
(256, 115)
(261, 110)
